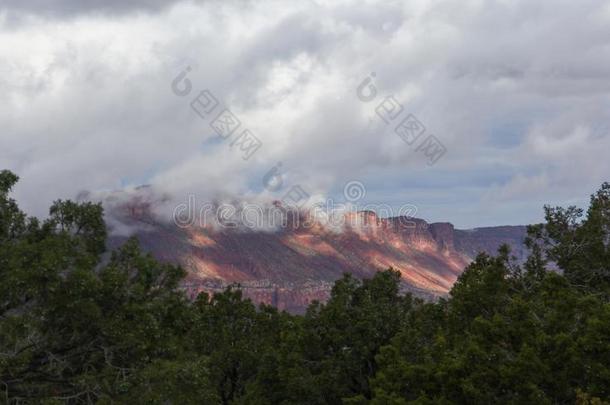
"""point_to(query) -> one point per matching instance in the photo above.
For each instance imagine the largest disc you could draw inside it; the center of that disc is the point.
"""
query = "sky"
(510, 100)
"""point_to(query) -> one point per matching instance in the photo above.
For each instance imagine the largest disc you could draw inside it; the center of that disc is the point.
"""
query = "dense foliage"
(78, 325)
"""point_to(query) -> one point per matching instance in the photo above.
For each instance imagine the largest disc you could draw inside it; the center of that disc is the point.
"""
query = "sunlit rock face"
(296, 263)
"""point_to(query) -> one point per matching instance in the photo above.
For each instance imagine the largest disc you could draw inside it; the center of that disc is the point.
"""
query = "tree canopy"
(80, 325)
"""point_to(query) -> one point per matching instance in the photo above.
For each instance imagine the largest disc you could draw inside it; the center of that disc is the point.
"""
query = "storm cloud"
(517, 92)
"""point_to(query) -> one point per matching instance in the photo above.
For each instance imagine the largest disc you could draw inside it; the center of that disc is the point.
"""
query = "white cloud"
(514, 89)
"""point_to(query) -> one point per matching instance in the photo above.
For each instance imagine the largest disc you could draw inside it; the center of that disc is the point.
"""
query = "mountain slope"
(291, 266)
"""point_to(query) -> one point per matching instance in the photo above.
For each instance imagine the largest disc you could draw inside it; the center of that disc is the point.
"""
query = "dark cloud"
(72, 8)
(516, 90)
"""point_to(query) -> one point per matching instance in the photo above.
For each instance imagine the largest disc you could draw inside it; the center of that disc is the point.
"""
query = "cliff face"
(473, 241)
(443, 234)
(294, 265)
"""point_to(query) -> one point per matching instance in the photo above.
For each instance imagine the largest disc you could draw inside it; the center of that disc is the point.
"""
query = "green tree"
(514, 334)
(79, 325)
(71, 328)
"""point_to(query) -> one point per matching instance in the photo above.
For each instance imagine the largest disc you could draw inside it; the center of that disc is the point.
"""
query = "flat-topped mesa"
(365, 218)
(130, 206)
(295, 262)
(410, 224)
(443, 233)
(410, 230)
(370, 218)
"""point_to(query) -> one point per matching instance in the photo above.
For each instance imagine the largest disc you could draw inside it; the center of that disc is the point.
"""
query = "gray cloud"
(515, 90)
(72, 8)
